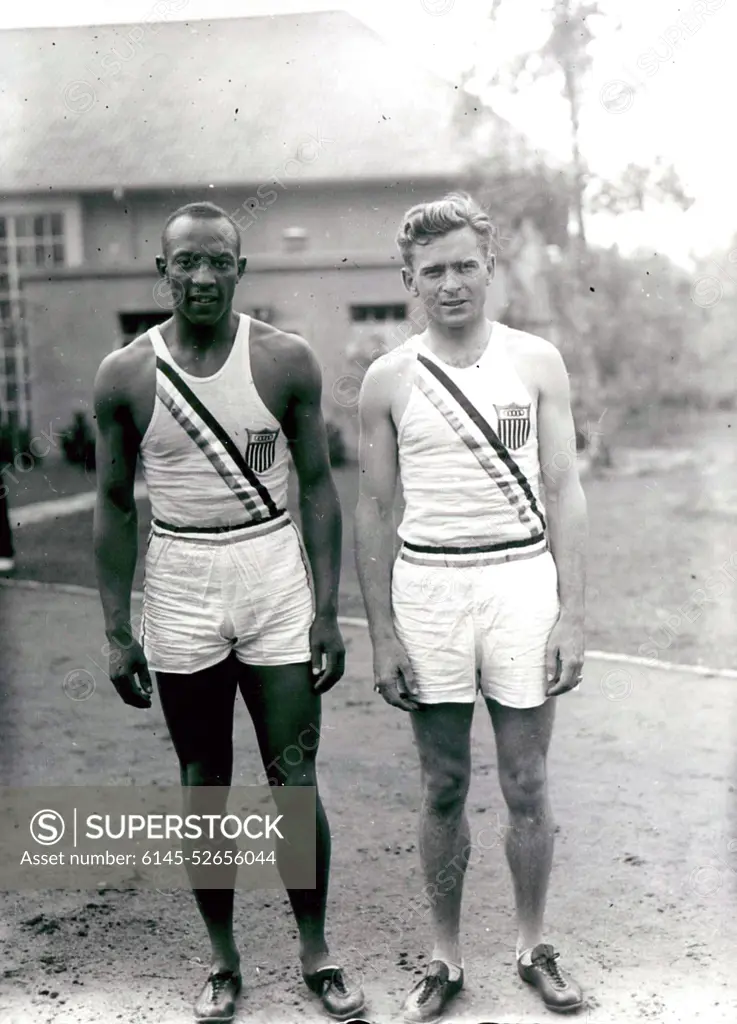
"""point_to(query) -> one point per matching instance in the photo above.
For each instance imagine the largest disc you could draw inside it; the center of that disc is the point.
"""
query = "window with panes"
(28, 241)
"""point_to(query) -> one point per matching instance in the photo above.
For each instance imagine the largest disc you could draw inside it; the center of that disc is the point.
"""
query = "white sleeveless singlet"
(213, 455)
(468, 457)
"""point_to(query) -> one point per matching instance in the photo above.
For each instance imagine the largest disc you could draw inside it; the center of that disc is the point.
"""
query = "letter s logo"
(47, 827)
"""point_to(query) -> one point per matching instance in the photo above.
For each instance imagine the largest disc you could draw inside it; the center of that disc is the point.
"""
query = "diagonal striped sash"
(213, 441)
(445, 409)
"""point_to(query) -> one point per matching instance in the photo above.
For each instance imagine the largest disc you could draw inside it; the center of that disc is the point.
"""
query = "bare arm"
(115, 533)
(116, 518)
(322, 524)
(374, 522)
(375, 534)
(567, 517)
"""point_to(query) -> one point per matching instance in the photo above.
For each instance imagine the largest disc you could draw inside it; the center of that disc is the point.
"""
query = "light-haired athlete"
(212, 402)
(487, 591)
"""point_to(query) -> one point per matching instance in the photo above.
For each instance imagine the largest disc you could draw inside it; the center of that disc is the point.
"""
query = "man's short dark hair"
(202, 211)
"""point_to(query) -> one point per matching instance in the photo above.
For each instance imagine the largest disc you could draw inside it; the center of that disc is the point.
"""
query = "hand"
(328, 653)
(565, 652)
(129, 671)
(393, 675)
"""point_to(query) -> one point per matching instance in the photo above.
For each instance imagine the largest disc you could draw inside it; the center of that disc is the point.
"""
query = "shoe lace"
(549, 964)
(429, 983)
(219, 981)
(338, 983)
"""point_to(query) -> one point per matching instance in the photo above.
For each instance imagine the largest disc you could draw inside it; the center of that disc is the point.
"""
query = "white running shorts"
(470, 628)
(248, 591)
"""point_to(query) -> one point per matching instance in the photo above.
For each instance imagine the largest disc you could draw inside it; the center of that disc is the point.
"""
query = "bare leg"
(523, 738)
(286, 713)
(442, 735)
(199, 714)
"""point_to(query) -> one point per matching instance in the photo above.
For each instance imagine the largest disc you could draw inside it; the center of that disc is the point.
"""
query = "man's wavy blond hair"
(427, 221)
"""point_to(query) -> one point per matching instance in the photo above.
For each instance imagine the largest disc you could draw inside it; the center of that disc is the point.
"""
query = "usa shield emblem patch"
(514, 425)
(261, 449)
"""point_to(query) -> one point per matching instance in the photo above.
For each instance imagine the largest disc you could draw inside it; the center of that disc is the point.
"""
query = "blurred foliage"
(645, 330)
(529, 190)
(336, 444)
(713, 377)
(636, 187)
(565, 48)
(14, 441)
(79, 442)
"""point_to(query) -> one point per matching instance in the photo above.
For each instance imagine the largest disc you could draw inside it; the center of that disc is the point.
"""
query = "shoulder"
(283, 352)
(526, 345)
(121, 371)
(274, 344)
(538, 359)
(387, 373)
(387, 385)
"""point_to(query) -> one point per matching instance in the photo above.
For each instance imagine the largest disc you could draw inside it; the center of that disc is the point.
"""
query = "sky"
(660, 87)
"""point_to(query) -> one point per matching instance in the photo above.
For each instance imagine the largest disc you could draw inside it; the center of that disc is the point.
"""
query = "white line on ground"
(41, 511)
(627, 659)
(633, 659)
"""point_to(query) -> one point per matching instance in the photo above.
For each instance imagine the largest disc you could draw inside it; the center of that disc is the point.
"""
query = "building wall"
(337, 218)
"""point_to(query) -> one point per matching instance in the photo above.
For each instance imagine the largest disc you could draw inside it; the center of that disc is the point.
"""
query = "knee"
(445, 790)
(293, 771)
(196, 773)
(205, 787)
(525, 789)
(305, 775)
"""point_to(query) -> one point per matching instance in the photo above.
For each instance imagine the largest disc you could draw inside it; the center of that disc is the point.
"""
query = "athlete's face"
(202, 264)
(450, 276)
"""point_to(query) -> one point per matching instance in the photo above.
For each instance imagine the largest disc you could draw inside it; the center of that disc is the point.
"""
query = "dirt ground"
(642, 896)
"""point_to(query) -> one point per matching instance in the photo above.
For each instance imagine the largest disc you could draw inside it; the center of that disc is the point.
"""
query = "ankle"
(314, 954)
(525, 946)
(449, 952)
(225, 959)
